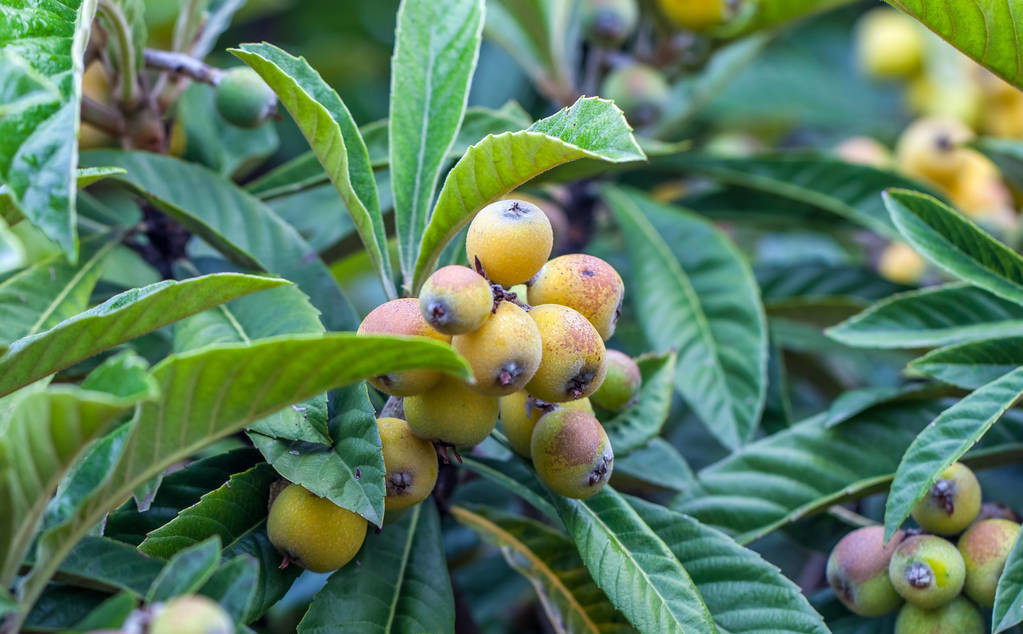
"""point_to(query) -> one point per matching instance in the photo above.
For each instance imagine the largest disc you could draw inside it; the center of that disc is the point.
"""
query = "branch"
(183, 64)
(104, 117)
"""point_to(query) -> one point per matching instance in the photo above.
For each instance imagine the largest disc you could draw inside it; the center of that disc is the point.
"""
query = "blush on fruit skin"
(520, 412)
(952, 502)
(959, 616)
(585, 283)
(857, 571)
(621, 384)
(571, 453)
(312, 531)
(511, 240)
(573, 363)
(927, 571)
(402, 317)
(504, 353)
(985, 547)
(410, 463)
(452, 412)
(456, 300)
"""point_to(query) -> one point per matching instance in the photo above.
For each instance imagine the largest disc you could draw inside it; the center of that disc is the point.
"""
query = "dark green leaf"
(642, 421)
(1008, 609)
(811, 279)
(1007, 155)
(186, 571)
(657, 463)
(855, 402)
(514, 475)
(233, 586)
(98, 560)
(973, 364)
(110, 614)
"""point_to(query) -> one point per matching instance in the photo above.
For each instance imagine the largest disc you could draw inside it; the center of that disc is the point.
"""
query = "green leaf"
(766, 14)
(743, 592)
(943, 441)
(855, 402)
(39, 154)
(986, 31)
(935, 316)
(50, 291)
(110, 614)
(1007, 155)
(350, 473)
(227, 512)
(186, 571)
(591, 128)
(802, 279)
(23, 86)
(515, 476)
(435, 53)
(39, 439)
(657, 463)
(642, 421)
(1008, 609)
(9, 211)
(235, 223)
(833, 186)
(550, 562)
(698, 296)
(973, 364)
(233, 586)
(7, 603)
(400, 583)
(212, 392)
(110, 563)
(331, 132)
(119, 319)
(633, 565)
(956, 244)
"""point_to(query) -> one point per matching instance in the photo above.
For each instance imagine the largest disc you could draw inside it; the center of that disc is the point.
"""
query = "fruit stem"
(126, 70)
(182, 64)
(102, 116)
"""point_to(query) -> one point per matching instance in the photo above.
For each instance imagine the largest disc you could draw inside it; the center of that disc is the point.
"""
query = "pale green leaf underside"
(1008, 608)
(973, 364)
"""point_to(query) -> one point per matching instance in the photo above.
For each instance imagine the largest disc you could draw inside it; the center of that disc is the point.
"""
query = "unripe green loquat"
(402, 317)
(504, 353)
(889, 44)
(456, 300)
(857, 571)
(985, 547)
(639, 90)
(927, 571)
(511, 239)
(621, 383)
(573, 363)
(190, 614)
(959, 616)
(452, 413)
(520, 413)
(411, 464)
(951, 504)
(571, 453)
(312, 531)
(585, 283)
(608, 23)
(243, 98)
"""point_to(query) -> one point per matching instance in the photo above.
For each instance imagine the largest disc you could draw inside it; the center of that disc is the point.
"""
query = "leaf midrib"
(400, 580)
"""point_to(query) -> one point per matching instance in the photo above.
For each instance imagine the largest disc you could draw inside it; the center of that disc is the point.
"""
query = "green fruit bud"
(927, 571)
(639, 90)
(959, 616)
(243, 98)
(985, 547)
(191, 614)
(608, 23)
(621, 383)
(951, 504)
(858, 571)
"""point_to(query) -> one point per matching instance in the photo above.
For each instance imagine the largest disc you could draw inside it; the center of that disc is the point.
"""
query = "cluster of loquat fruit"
(535, 365)
(955, 99)
(927, 570)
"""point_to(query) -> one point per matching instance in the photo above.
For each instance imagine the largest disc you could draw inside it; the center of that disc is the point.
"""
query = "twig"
(104, 117)
(850, 517)
(182, 64)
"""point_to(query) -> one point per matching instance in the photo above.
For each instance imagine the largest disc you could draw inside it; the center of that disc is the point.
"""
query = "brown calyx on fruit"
(919, 575)
(399, 482)
(944, 493)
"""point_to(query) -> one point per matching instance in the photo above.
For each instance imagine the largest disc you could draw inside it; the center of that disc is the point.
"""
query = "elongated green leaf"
(351, 472)
(942, 442)
(935, 316)
(186, 571)
(98, 560)
(400, 584)
(10, 213)
(695, 293)
(591, 128)
(227, 512)
(551, 564)
(515, 476)
(633, 565)
(765, 14)
(743, 592)
(1008, 609)
(233, 586)
(656, 464)
(119, 319)
(435, 53)
(110, 614)
(333, 136)
(855, 402)
(973, 364)
(804, 279)
(212, 392)
(833, 186)
(635, 426)
(956, 244)
(986, 31)
(38, 155)
(39, 440)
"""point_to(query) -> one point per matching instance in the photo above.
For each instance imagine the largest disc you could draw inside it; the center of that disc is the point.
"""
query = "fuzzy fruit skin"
(996, 511)
(452, 412)
(858, 571)
(402, 317)
(929, 149)
(243, 98)
(862, 150)
(504, 353)
(901, 264)
(951, 504)
(958, 617)
(574, 361)
(411, 464)
(639, 90)
(608, 23)
(985, 546)
(456, 300)
(978, 189)
(571, 453)
(512, 239)
(95, 86)
(927, 571)
(191, 614)
(889, 44)
(696, 15)
(314, 532)
(621, 384)
(588, 284)
(520, 413)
